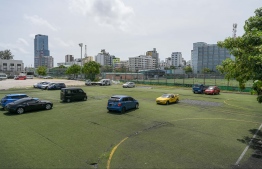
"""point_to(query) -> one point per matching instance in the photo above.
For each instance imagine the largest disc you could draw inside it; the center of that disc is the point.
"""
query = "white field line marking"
(245, 150)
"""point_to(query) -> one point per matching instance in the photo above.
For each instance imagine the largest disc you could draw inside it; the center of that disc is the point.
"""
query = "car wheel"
(123, 110)
(68, 100)
(167, 103)
(85, 98)
(194, 92)
(48, 106)
(20, 110)
(137, 105)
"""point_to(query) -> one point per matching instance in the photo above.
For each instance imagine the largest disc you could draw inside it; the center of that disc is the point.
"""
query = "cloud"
(22, 41)
(113, 13)
(40, 22)
(63, 43)
(14, 48)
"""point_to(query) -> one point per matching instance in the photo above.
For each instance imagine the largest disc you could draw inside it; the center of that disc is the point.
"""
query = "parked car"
(167, 99)
(199, 88)
(129, 85)
(88, 82)
(45, 86)
(11, 98)
(48, 77)
(104, 82)
(3, 76)
(28, 104)
(20, 77)
(29, 76)
(121, 103)
(39, 84)
(56, 86)
(212, 90)
(72, 94)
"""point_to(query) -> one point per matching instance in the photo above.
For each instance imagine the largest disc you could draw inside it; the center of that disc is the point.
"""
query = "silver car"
(129, 85)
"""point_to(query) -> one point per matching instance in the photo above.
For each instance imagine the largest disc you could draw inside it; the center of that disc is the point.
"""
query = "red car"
(20, 77)
(212, 90)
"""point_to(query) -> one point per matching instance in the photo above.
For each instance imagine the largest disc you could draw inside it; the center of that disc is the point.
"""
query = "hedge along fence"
(229, 88)
(184, 80)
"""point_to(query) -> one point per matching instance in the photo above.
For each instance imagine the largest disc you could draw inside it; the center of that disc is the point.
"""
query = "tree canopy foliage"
(6, 55)
(91, 69)
(188, 69)
(73, 70)
(41, 70)
(247, 50)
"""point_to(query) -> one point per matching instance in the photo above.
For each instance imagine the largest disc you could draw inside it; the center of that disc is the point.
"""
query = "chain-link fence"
(185, 80)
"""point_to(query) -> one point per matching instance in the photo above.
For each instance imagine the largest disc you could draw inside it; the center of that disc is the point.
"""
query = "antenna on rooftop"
(234, 30)
(85, 51)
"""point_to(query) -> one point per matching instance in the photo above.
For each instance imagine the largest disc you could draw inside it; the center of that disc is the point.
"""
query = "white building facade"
(141, 62)
(176, 59)
(104, 58)
(11, 66)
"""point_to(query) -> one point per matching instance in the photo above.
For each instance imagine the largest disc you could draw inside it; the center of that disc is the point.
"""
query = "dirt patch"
(201, 103)
(11, 83)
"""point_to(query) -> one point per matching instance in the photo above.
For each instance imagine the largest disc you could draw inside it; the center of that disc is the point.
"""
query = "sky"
(124, 28)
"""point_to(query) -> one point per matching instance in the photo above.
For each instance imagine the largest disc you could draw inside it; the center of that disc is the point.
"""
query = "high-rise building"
(154, 55)
(208, 56)
(41, 52)
(104, 58)
(69, 58)
(176, 59)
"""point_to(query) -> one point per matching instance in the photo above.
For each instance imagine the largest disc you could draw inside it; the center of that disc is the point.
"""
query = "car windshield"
(196, 85)
(211, 88)
(165, 96)
(114, 99)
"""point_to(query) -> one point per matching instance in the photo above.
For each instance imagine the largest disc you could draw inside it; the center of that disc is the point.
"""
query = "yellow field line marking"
(234, 105)
(215, 119)
(113, 151)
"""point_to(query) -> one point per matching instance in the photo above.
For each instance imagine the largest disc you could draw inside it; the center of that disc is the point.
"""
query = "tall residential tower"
(41, 53)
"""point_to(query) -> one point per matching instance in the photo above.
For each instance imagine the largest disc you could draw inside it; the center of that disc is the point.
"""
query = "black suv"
(72, 94)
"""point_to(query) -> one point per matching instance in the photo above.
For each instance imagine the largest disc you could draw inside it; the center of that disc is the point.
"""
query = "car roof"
(68, 88)
(19, 94)
(120, 96)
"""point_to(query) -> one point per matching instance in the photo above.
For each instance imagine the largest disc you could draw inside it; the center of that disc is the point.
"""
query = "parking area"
(11, 83)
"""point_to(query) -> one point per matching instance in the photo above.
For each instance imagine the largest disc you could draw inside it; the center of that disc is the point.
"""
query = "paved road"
(11, 83)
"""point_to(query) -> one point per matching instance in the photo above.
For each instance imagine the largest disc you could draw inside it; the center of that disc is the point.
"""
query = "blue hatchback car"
(121, 103)
(11, 98)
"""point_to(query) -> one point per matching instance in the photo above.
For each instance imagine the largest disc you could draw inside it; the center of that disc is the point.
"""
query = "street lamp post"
(81, 45)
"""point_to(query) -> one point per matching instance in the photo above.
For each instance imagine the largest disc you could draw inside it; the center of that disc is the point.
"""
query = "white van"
(104, 82)
(29, 76)
(3, 76)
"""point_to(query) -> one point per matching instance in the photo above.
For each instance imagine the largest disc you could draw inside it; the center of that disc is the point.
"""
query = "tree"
(247, 50)
(172, 67)
(107, 68)
(41, 70)
(188, 69)
(62, 66)
(121, 69)
(73, 70)
(6, 55)
(91, 69)
(206, 70)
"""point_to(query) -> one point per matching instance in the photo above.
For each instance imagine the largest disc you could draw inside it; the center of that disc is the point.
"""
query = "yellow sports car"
(167, 98)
